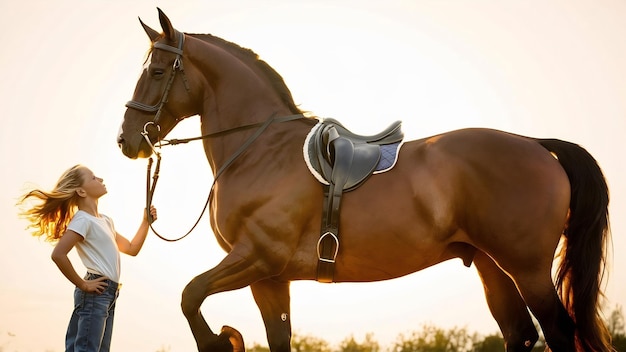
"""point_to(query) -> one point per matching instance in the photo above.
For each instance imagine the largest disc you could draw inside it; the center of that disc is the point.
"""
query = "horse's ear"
(152, 34)
(168, 29)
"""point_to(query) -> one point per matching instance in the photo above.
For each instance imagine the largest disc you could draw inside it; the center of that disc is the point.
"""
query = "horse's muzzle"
(125, 148)
(135, 147)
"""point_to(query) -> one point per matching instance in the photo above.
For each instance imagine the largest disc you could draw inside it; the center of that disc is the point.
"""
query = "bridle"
(158, 107)
(176, 66)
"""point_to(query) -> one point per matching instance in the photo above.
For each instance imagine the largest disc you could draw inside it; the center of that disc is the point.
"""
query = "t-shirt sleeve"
(80, 225)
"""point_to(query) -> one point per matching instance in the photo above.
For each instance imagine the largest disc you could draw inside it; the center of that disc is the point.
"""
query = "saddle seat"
(389, 135)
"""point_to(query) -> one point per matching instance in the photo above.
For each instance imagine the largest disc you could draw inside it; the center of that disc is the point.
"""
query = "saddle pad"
(388, 158)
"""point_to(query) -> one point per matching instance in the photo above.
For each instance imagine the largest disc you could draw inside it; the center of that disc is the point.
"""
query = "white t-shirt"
(98, 251)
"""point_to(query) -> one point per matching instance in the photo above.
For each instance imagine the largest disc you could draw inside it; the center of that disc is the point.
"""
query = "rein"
(151, 185)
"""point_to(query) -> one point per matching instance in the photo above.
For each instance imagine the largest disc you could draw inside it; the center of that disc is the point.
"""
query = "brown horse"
(499, 200)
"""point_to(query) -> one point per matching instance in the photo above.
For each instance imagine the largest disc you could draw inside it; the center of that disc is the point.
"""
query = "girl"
(69, 216)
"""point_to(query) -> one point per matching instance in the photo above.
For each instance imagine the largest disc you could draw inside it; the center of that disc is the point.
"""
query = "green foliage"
(619, 342)
(491, 343)
(435, 339)
(615, 323)
(617, 328)
(257, 348)
(307, 343)
(369, 345)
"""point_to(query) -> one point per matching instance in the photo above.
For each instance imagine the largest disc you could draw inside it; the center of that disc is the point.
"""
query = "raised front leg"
(234, 272)
(506, 305)
(272, 298)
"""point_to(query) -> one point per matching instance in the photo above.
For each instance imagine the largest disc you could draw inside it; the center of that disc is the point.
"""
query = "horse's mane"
(251, 57)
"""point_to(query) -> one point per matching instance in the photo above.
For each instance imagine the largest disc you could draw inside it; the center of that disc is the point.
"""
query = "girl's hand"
(153, 214)
(95, 286)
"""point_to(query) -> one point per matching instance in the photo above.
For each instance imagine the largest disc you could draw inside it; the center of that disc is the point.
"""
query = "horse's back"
(483, 188)
(487, 162)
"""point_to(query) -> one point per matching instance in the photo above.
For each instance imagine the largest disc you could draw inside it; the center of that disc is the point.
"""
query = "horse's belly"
(390, 255)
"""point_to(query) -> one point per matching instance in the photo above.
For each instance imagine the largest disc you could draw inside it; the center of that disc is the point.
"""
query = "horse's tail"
(583, 255)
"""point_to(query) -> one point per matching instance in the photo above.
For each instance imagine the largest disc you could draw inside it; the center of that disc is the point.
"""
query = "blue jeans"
(91, 324)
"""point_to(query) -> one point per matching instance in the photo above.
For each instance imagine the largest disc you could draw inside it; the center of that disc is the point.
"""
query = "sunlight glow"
(543, 69)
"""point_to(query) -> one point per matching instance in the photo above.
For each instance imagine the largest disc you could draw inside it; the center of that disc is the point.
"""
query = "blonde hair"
(56, 208)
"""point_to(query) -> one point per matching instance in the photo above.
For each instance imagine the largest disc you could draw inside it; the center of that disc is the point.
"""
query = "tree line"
(431, 338)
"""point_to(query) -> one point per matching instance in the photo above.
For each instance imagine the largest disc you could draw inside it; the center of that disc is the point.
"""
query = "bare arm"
(133, 247)
(59, 256)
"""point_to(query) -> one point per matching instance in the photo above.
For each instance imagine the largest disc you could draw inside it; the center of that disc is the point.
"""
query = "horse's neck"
(236, 87)
(229, 106)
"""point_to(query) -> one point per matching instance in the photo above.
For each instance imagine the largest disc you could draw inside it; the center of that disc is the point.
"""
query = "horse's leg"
(272, 298)
(506, 305)
(234, 272)
(540, 295)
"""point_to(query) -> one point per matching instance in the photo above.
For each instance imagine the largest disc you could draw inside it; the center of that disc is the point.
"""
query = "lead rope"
(151, 187)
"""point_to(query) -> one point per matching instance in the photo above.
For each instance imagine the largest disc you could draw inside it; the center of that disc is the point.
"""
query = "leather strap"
(151, 186)
(328, 244)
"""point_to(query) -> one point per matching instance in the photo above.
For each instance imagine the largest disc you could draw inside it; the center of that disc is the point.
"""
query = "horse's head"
(162, 94)
(199, 74)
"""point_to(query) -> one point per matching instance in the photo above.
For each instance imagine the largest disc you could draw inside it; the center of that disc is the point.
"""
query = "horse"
(498, 200)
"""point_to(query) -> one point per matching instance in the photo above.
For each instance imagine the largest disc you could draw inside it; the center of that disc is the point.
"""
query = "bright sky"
(544, 69)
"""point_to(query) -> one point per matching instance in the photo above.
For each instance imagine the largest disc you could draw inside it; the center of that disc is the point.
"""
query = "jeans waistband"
(112, 284)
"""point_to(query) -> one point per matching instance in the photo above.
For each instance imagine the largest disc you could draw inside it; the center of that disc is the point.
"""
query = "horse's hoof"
(226, 341)
(234, 337)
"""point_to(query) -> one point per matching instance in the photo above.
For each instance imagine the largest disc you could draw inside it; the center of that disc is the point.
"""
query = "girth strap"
(328, 244)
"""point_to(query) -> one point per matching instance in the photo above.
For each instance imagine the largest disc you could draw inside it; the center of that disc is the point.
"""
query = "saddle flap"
(352, 163)
(365, 159)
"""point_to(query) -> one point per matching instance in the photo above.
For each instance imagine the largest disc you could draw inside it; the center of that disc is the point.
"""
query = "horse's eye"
(157, 73)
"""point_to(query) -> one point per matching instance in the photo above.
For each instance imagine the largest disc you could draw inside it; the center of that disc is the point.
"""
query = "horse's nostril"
(120, 141)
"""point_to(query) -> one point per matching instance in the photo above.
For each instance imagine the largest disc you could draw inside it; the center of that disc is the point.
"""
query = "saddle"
(342, 161)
